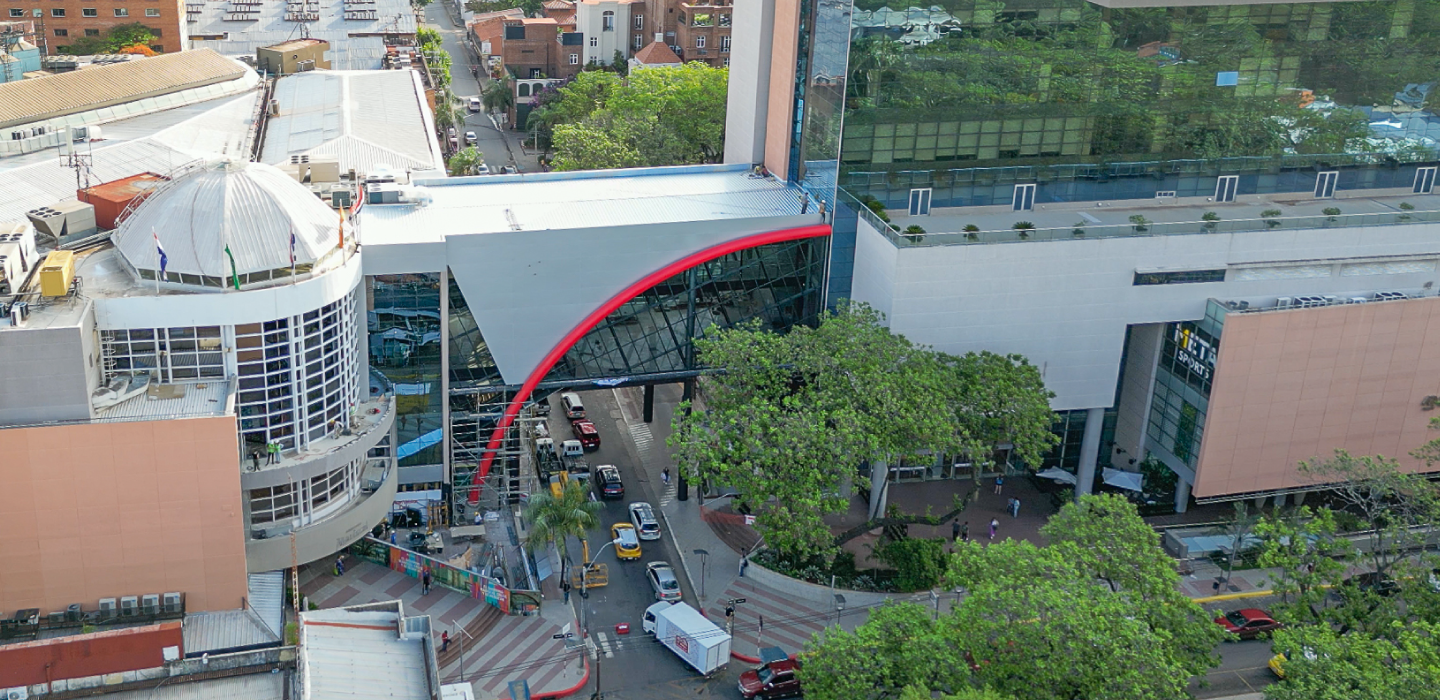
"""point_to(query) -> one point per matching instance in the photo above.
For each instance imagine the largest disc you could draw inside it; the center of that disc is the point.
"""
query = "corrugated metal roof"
(391, 17)
(252, 686)
(363, 119)
(226, 630)
(206, 398)
(252, 208)
(31, 100)
(345, 52)
(364, 659)
(580, 200)
(267, 599)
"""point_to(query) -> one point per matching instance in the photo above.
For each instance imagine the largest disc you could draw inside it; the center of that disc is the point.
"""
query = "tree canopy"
(1097, 615)
(466, 161)
(116, 40)
(651, 117)
(791, 416)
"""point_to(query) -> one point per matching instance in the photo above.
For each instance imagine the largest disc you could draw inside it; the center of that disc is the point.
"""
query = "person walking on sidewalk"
(1014, 507)
(444, 641)
(425, 582)
(340, 566)
(954, 530)
(994, 525)
(999, 482)
(965, 532)
(665, 475)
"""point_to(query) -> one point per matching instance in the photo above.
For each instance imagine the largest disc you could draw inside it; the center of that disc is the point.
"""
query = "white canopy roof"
(250, 207)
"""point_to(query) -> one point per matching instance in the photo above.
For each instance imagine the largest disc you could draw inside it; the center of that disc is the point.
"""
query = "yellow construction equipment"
(595, 575)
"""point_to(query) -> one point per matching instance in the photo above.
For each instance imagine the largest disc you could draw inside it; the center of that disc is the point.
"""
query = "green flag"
(234, 275)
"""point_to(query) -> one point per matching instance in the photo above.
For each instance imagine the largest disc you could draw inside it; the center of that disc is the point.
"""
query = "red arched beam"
(615, 302)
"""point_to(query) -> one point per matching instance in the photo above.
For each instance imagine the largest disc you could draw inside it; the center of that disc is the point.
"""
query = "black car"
(1374, 582)
(607, 480)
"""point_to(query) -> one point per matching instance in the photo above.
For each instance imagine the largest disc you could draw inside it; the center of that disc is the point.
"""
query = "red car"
(1247, 623)
(773, 680)
(586, 433)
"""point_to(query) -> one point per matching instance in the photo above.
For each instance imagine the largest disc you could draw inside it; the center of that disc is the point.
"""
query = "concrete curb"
(1233, 596)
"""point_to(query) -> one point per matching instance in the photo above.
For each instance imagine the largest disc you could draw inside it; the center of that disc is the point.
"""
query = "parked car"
(642, 516)
(470, 139)
(572, 448)
(482, 169)
(607, 479)
(574, 407)
(1371, 582)
(1277, 662)
(662, 579)
(776, 679)
(1248, 623)
(627, 544)
(586, 433)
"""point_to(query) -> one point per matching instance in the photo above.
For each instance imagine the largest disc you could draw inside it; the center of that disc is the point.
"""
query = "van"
(573, 407)
(475, 104)
(572, 448)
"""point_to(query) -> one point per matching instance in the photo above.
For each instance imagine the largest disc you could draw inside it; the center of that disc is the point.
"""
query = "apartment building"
(60, 22)
(702, 31)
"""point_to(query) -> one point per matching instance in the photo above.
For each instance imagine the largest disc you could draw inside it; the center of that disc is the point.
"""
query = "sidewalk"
(503, 648)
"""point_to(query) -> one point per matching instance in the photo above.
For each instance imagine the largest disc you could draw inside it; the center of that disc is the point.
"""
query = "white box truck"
(693, 638)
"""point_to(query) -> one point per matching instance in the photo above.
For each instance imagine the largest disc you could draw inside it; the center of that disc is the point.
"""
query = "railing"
(1290, 223)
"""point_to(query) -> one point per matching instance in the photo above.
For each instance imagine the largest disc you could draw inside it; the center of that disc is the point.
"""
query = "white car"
(470, 138)
(642, 516)
(475, 105)
(484, 169)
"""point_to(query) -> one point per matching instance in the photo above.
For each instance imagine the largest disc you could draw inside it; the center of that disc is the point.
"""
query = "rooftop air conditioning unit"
(300, 159)
(1357, 300)
(129, 606)
(20, 693)
(1284, 303)
(1390, 296)
(107, 608)
(172, 604)
(150, 604)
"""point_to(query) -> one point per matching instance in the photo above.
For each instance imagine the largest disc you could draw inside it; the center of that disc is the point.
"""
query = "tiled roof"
(26, 101)
(656, 53)
(558, 5)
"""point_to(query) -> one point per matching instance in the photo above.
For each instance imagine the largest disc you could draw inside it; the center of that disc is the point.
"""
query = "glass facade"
(973, 97)
(1070, 427)
(404, 322)
(1182, 389)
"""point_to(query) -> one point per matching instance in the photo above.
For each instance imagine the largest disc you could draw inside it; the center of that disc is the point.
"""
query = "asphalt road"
(490, 141)
(633, 665)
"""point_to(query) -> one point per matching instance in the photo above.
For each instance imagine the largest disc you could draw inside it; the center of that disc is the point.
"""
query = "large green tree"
(1322, 664)
(651, 117)
(466, 161)
(1309, 557)
(790, 416)
(899, 646)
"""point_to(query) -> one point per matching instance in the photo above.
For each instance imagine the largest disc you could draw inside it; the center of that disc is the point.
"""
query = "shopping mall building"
(1211, 227)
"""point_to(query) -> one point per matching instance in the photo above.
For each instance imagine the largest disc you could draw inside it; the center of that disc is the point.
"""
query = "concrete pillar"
(1089, 451)
(649, 403)
(1300, 498)
(1280, 500)
(879, 480)
(1182, 496)
(1259, 503)
(747, 103)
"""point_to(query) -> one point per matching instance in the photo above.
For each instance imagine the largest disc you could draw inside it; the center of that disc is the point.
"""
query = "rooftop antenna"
(75, 160)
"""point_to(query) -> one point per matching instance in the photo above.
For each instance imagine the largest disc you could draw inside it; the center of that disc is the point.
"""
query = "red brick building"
(63, 21)
(702, 31)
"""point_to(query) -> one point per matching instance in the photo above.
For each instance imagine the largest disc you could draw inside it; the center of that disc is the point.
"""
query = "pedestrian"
(999, 482)
(392, 537)
(255, 460)
(340, 566)
(1216, 586)
(1014, 507)
(965, 532)
(425, 581)
(445, 641)
(954, 530)
(994, 525)
(665, 475)
(744, 564)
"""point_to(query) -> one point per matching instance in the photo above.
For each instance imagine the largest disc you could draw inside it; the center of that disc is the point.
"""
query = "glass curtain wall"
(1182, 390)
(404, 322)
(973, 97)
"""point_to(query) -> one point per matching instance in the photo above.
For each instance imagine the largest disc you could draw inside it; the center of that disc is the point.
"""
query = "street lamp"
(704, 556)
(839, 606)
(584, 612)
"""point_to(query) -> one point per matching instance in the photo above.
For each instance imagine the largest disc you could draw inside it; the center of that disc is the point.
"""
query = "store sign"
(1193, 352)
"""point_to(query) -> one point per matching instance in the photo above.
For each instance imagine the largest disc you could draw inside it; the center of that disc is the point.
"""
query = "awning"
(1057, 474)
(405, 498)
(1121, 479)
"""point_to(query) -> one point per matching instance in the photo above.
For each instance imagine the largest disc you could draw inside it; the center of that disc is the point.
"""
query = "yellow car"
(627, 544)
(1277, 665)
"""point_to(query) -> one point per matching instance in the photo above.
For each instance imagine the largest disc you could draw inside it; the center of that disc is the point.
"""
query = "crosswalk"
(767, 618)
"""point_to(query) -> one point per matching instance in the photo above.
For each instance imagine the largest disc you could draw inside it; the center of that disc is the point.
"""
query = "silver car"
(642, 516)
(662, 579)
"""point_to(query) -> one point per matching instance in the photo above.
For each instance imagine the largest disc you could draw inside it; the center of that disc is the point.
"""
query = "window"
(920, 201)
(607, 21)
(152, 12)
(1023, 198)
(92, 32)
(89, 12)
(1325, 184)
(122, 12)
(1424, 181)
(725, 19)
(702, 19)
(726, 63)
(639, 21)
(62, 32)
(594, 41)
(725, 44)
(57, 12)
(700, 41)
(574, 59)
(16, 13)
(1225, 188)
(154, 31)
(1179, 277)
(637, 41)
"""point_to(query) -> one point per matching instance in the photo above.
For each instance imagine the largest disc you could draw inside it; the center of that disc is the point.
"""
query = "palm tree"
(555, 520)
(498, 96)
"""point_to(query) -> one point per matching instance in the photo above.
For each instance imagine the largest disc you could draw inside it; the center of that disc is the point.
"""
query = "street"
(499, 148)
(633, 665)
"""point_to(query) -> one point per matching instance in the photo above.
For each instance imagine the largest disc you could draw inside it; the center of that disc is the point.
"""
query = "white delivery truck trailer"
(693, 638)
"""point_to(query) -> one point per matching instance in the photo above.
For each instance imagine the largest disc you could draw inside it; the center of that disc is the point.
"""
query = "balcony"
(1132, 218)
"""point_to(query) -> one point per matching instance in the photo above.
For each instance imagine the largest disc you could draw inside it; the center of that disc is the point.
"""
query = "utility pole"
(704, 556)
